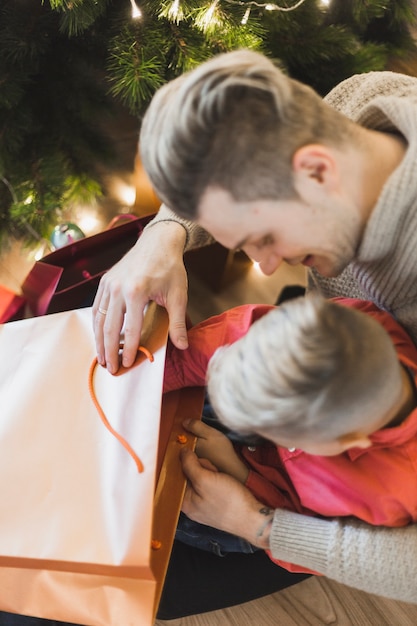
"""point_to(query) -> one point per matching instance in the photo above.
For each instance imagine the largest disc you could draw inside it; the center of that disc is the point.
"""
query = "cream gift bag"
(77, 518)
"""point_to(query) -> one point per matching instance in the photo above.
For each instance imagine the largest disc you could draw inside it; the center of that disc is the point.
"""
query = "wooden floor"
(313, 602)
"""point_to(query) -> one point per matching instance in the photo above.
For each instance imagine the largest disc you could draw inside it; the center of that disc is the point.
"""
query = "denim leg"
(210, 539)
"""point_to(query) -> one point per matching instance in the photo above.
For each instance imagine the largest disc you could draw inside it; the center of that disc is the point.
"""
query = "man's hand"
(221, 501)
(218, 449)
(152, 270)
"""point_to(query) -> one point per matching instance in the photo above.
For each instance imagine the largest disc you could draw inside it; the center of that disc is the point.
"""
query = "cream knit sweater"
(377, 560)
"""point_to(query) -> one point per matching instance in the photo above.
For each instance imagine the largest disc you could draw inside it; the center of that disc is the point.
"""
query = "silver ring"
(102, 311)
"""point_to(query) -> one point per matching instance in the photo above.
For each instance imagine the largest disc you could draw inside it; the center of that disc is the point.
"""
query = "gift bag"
(11, 304)
(85, 529)
(68, 277)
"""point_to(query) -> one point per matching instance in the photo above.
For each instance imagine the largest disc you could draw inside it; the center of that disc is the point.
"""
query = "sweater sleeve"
(197, 237)
(355, 96)
(374, 559)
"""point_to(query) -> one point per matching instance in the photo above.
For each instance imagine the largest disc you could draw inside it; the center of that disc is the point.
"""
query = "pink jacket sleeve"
(187, 368)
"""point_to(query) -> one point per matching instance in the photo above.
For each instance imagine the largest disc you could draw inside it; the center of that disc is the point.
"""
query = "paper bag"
(10, 304)
(68, 277)
(77, 525)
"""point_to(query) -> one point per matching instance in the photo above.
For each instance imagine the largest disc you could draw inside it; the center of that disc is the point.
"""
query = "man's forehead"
(219, 214)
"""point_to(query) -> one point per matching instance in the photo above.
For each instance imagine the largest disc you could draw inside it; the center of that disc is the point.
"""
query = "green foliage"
(65, 64)
(322, 47)
(78, 15)
(135, 71)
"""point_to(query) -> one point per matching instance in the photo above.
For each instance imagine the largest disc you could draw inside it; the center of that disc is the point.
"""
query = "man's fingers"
(111, 339)
(131, 333)
(176, 307)
(178, 335)
(98, 323)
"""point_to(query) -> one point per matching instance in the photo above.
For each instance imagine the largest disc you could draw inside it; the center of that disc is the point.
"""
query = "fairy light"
(123, 192)
(208, 16)
(246, 16)
(174, 10)
(40, 251)
(88, 222)
(136, 12)
(267, 5)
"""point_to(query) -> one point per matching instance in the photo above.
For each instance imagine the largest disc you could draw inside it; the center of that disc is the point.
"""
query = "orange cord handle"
(104, 419)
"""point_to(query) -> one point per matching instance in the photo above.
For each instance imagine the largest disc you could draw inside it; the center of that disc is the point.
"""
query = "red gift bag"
(11, 304)
(68, 277)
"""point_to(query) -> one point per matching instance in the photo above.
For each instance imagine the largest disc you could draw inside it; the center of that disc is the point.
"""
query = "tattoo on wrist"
(262, 533)
(265, 510)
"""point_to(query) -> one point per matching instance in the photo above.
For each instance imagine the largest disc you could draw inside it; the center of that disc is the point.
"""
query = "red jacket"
(377, 485)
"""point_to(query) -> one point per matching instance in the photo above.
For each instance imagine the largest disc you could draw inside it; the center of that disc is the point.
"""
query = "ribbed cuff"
(301, 540)
(196, 237)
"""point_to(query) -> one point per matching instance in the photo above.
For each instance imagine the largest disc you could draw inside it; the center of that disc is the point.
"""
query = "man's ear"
(315, 169)
(354, 440)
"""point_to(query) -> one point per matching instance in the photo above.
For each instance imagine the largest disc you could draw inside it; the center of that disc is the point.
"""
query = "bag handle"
(102, 415)
(123, 218)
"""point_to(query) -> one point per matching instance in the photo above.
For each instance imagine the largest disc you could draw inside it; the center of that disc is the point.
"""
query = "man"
(263, 164)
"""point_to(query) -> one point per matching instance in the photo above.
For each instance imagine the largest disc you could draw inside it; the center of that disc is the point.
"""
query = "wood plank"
(316, 601)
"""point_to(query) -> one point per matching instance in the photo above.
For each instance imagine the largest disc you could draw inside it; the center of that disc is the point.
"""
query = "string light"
(88, 221)
(208, 16)
(267, 5)
(246, 16)
(40, 251)
(28, 200)
(208, 19)
(174, 10)
(136, 12)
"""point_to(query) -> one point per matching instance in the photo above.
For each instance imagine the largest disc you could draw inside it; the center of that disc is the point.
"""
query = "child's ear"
(355, 440)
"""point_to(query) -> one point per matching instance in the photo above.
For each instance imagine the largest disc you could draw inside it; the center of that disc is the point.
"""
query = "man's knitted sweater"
(385, 266)
(377, 560)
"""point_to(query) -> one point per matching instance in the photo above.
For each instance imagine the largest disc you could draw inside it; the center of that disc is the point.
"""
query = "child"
(331, 384)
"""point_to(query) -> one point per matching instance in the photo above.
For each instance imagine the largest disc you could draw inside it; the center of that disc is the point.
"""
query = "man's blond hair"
(234, 123)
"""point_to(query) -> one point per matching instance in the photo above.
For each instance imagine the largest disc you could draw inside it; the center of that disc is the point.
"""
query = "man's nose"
(268, 263)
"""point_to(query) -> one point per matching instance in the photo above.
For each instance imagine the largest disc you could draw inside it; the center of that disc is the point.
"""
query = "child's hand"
(218, 449)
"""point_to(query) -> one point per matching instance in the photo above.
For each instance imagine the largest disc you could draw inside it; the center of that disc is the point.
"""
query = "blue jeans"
(210, 539)
(206, 537)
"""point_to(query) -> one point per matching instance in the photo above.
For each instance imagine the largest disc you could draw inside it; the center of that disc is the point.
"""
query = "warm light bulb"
(88, 223)
(246, 16)
(126, 194)
(136, 12)
(208, 17)
(174, 9)
(40, 251)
